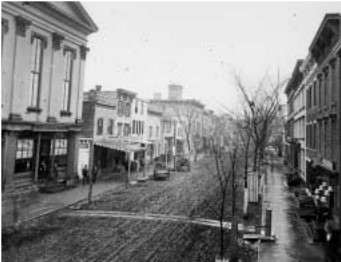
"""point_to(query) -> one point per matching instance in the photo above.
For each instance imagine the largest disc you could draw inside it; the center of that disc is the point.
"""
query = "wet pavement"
(292, 243)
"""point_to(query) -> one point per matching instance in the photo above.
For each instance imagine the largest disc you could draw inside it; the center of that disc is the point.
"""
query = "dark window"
(142, 104)
(127, 110)
(120, 108)
(136, 106)
(36, 70)
(150, 131)
(67, 80)
(126, 130)
(111, 127)
(99, 126)
(314, 95)
(157, 131)
(120, 129)
(167, 126)
(24, 156)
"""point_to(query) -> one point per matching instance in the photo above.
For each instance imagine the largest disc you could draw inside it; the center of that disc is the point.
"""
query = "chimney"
(98, 88)
(175, 92)
(157, 96)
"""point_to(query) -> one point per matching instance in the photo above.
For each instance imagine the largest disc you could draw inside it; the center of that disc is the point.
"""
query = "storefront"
(31, 158)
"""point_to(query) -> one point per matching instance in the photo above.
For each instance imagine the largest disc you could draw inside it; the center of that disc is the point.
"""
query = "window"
(120, 129)
(150, 131)
(167, 126)
(59, 151)
(157, 132)
(111, 127)
(136, 106)
(142, 104)
(24, 156)
(120, 108)
(67, 80)
(99, 126)
(126, 130)
(36, 70)
(127, 109)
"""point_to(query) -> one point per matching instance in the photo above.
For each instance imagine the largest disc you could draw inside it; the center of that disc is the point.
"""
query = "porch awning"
(119, 145)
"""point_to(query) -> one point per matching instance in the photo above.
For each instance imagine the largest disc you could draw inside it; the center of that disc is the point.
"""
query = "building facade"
(295, 123)
(43, 60)
(323, 125)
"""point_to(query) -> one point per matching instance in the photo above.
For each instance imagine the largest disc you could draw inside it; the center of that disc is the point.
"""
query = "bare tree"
(226, 165)
(186, 116)
(262, 106)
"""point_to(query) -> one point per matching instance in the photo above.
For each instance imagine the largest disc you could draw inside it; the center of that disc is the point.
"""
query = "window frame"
(36, 68)
(69, 59)
(100, 126)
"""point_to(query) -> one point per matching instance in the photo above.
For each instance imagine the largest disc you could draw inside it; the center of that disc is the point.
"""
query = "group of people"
(85, 173)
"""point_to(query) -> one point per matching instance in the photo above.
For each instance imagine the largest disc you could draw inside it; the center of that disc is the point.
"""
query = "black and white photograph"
(171, 131)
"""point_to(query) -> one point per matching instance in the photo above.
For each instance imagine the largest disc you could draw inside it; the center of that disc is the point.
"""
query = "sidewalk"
(40, 204)
(291, 243)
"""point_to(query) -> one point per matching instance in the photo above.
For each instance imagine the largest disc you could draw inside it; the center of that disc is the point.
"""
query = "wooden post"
(53, 141)
(128, 174)
(268, 226)
(37, 158)
(92, 147)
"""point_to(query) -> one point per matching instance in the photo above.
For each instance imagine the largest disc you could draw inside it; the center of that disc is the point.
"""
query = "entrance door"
(45, 161)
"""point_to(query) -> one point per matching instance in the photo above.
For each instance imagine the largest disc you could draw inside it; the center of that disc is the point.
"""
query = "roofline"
(126, 91)
(182, 101)
(322, 25)
(293, 75)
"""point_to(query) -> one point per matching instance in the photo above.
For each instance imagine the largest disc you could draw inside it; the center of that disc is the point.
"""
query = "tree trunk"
(255, 158)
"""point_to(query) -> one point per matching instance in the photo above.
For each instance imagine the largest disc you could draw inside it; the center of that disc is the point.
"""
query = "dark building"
(323, 112)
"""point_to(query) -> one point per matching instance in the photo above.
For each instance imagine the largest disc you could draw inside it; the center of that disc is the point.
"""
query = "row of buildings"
(313, 130)
(49, 122)
(124, 127)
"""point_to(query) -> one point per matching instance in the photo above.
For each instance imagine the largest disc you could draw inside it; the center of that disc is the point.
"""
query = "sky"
(145, 46)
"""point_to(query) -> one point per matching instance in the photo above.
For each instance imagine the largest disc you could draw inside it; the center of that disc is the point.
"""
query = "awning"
(119, 145)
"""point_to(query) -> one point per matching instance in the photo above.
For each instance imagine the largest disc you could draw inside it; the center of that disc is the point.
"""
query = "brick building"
(295, 150)
(115, 122)
(323, 125)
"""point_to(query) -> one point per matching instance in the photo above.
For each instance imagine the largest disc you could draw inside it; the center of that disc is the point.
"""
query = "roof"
(296, 77)
(327, 18)
(70, 11)
(108, 98)
(193, 102)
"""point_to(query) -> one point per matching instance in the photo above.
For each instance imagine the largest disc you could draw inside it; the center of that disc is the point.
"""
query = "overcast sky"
(144, 46)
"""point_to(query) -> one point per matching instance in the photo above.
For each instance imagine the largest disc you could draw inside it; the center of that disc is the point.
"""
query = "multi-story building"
(154, 134)
(323, 126)
(43, 59)
(295, 122)
(182, 123)
(115, 122)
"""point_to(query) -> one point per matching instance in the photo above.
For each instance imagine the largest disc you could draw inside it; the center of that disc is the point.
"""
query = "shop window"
(24, 156)
(60, 152)
(99, 126)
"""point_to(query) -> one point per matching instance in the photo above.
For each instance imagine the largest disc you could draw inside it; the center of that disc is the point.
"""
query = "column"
(72, 160)
(21, 61)
(9, 153)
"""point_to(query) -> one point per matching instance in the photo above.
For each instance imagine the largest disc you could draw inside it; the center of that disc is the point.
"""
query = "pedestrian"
(85, 173)
(95, 172)
(332, 243)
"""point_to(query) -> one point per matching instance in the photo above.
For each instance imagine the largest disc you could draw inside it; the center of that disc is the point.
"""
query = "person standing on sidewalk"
(85, 173)
(332, 243)
(95, 172)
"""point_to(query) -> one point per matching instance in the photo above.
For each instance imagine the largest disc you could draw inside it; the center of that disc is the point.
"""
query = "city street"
(187, 194)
